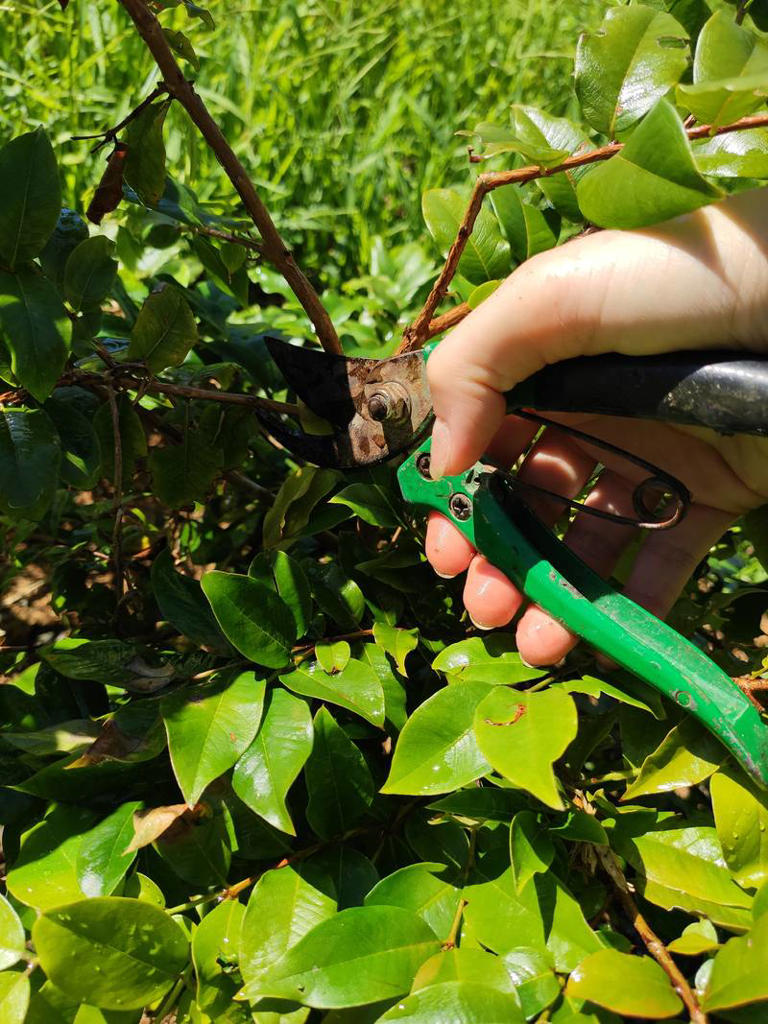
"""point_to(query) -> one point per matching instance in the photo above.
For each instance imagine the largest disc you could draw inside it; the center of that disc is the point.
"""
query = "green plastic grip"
(497, 522)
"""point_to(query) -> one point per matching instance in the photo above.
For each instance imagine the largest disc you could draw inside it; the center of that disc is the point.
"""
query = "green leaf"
(497, 916)
(140, 951)
(524, 226)
(133, 441)
(687, 755)
(35, 329)
(14, 997)
(370, 503)
(738, 972)
(267, 769)
(474, 966)
(634, 58)
(592, 686)
(337, 595)
(198, 846)
(165, 329)
(697, 938)
(80, 454)
(209, 726)
(741, 817)
(466, 1002)
(283, 906)
(531, 849)
(102, 861)
(29, 185)
(416, 887)
(340, 787)
(486, 255)
(437, 750)
(357, 688)
(12, 941)
(299, 493)
(70, 230)
(397, 642)
(522, 734)
(730, 72)
(215, 943)
(29, 460)
(683, 867)
(181, 601)
(278, 569)
(44, 874)
(632, 985)
(548, 140)
(333, 655)
(89, 273)
(652, 179)
(490, 658)
(734, 155)
(253, 618)
(181, 45)
(535, 982)
(183, 473)
(360, 956)
(580, 827)
(145, 161)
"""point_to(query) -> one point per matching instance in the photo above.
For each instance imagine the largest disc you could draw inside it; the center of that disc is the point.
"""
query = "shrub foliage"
(249, 750)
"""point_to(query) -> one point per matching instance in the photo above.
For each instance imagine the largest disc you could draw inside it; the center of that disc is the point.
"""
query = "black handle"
(717, 389)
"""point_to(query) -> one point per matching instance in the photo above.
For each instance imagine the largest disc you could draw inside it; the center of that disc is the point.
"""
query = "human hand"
(699, 281)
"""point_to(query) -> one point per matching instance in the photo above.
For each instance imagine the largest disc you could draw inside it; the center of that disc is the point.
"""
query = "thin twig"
(117, 529)
(110, 135)
(274, 248)
(224, 236)
(447, 320)
(418, 332)
(161, 387)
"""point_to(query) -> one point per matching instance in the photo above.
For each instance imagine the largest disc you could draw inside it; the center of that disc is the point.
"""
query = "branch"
(273, 247)
(419, 331)
(117, 530)
(110, 135)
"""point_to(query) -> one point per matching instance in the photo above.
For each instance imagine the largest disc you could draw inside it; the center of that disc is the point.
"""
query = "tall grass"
(342, 111)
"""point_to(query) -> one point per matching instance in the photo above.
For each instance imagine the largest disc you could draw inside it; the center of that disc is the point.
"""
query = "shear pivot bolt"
(422, 464)
(461, 507)
(388, 401)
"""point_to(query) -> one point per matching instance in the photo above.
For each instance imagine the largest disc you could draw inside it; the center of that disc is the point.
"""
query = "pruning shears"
(381, 409)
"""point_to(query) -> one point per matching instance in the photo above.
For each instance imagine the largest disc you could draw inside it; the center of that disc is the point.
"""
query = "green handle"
(500, 526)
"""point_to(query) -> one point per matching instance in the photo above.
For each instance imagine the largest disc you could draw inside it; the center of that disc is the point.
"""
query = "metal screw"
(389, 401)
(460, 506)
(422, 464)
(378, 407)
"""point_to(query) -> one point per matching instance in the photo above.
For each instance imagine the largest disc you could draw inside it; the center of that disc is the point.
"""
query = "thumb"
(698, 281)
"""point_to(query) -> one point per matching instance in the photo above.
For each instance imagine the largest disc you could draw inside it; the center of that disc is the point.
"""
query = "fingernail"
(440, 452)
(445, 575)
(479, 625)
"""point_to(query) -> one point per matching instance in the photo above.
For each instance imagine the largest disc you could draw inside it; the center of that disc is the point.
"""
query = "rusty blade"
(379, 408)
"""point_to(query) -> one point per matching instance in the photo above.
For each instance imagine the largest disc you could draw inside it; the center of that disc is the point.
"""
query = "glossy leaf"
(214, 945)
(29, 185)
(340, 787)
(697, 938)
(35, 329)
(356, 688)
(416, 887)
(531, 849)
(730, 72)
(361, 955)
(370, 503)
(145, 161)
(12, 942)
(102, 859)
(333, 655)
(252, 617)
(277, 568)
(461, 1002)
(437, 750)
(741, 817)
(734, 155)
(183, 603)
(14, 996)
(738, 973)
(656, 168)
(397, 642)
(486, 255)
(475, 966)
(687, 755)
(524, 226)
(139, 949)
(89, 273)
(632, 985)
(534, 979)
(29, 460)
(522, 734)
(164, 331)
(209, 726)
(283, 906)
(44, 874)
(266, 770)
(490, 658)
(635, 57)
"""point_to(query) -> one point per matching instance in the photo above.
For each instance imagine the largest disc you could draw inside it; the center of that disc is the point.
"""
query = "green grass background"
(342, 111)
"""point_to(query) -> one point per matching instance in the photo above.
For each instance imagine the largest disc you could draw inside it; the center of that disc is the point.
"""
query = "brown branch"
(418, 332)
(223, 236)
(160, 387)
(117, 530)
(273, 247)
(447, 320)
